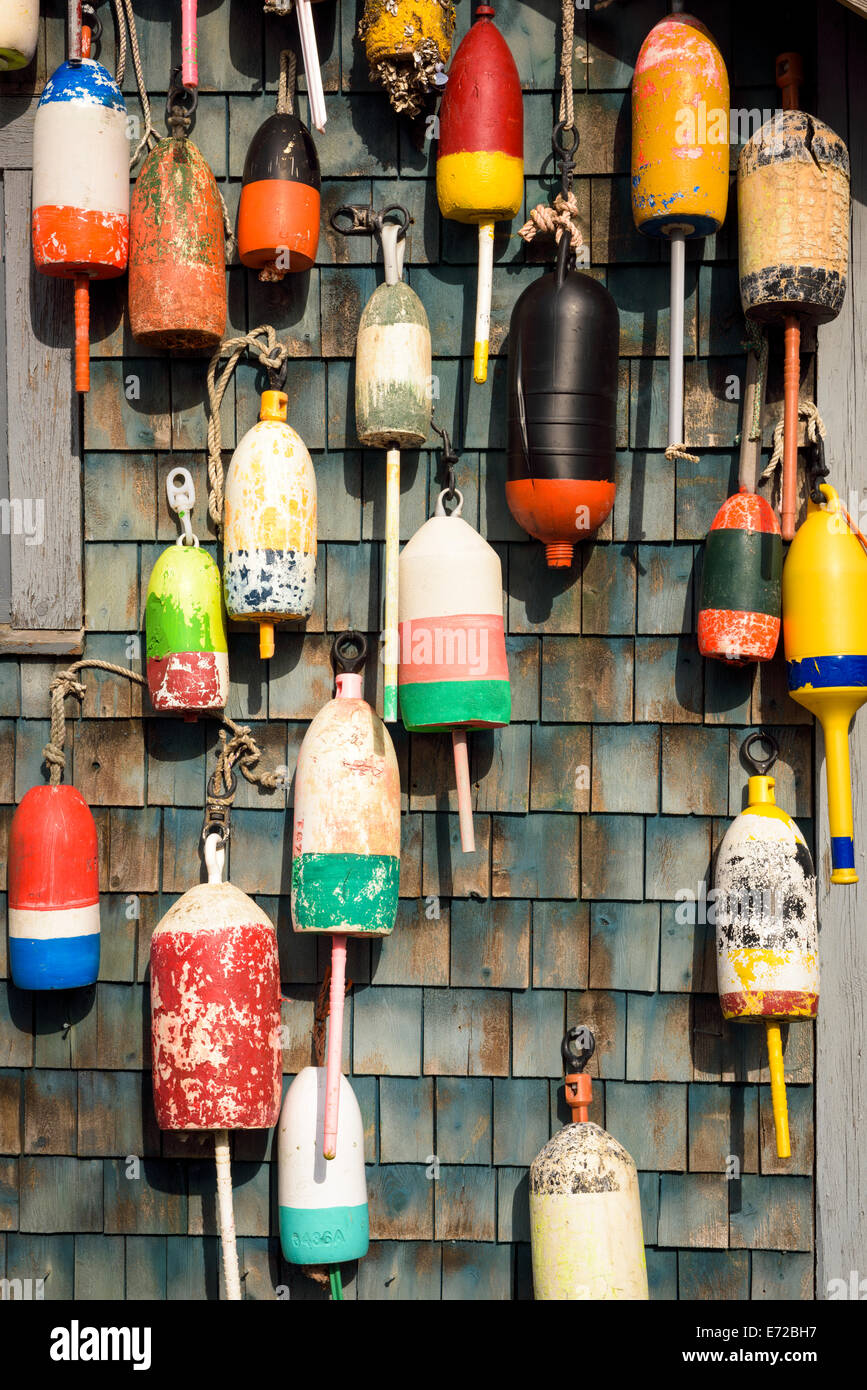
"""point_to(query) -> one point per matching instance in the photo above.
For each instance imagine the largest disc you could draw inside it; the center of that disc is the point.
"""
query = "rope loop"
(561, 218)
(125, 20)
(262, 343)
(815, 432)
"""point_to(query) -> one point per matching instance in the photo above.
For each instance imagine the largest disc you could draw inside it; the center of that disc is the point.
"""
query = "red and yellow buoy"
(480, 159)
(81, 186)
(680, 159)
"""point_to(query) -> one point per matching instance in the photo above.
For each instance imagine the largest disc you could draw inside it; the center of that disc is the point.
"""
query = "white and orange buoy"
(586, 1233)
(53, 891)
(453, 673)
(766, 928)
(346, 837)
(19, 33)
(269, 525)
(323, 1206)
(80, 226)
(215, 1024)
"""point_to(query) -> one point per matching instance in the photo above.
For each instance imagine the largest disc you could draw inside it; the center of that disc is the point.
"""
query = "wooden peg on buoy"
(680, 168)
(793, 215)
(453, 673)
(480, 157)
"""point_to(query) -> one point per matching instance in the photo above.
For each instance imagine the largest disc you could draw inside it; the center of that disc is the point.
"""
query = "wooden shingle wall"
(602, 801)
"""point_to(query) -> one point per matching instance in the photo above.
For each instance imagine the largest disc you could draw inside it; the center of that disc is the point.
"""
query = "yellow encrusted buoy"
(408, 43)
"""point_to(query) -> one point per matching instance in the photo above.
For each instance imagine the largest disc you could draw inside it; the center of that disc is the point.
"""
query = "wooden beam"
(42, 642)
(44, 435)
(841, 1054)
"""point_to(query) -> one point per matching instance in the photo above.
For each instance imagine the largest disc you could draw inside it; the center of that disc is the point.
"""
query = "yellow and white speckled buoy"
(585, 1211)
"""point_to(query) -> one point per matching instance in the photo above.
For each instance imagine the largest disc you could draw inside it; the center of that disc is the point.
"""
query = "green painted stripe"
(327, 1235)
(444, 704)
(355, 893)
(741, 572)
(184, 609)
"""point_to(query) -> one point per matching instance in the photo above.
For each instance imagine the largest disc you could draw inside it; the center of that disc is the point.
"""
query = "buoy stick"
(791, 383)
(336, 1282)
(392, 556)
(675, 351)
(189, 55)
(462, 778)
(751, 449)
(335, 1044)
(73, 32)
(226, 1212)
(835, 727)
(266, 641)
(315, 94)
(483, 301)
(778, 1090)
(82, 333)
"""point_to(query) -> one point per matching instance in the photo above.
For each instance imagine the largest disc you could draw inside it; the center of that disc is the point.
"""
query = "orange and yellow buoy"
(680, 158)
(480, 160)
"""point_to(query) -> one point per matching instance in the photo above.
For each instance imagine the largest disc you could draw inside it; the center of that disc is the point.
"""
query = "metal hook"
(577, 1048)
(181, 496)
(90, 18)
(181, 103)
(761, 765)
(565, 154)
(818, 469)
(344, 659)
(449, 457)
(365, 221)
(277, 375)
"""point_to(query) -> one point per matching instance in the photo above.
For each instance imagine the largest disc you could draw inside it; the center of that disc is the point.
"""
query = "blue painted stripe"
(827, 672)
(61, 962)
(89, 84)
(324, 1235)
(842, 852)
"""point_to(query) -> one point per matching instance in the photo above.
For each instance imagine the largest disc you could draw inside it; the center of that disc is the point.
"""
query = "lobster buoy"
(215, 1024)
(215, 1012)
(177, 251)
(793, 240)
(453, 672)
(53, 891)
(346, 836)
(563, 344)
(278, 216)
(680, 159)
(585, 1211)
(392, 409)
(323, 1206)
(185, 631)
(766, 932)
(739, 605)
(81, 186)
(825, 641)
(407, 44)
(480, 158)
(269, 525)
(19, 33)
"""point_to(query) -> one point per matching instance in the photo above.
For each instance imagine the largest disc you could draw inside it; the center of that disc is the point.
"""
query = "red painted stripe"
(462, 648)
(277, 214)
(737, 637)
(772, 1003)
(482, 108)
(559, 510)
(746, 511)
(185, 681)
(69, 241)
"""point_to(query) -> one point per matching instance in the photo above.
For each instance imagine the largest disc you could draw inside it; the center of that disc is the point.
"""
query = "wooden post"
(841, 1054)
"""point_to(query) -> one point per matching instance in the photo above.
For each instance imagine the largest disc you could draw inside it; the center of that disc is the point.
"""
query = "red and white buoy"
(215, 1024)
(346, 837)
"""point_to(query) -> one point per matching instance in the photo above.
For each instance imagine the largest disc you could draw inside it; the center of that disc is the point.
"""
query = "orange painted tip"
(579, 1094)
(274, 405)
(559, 555)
